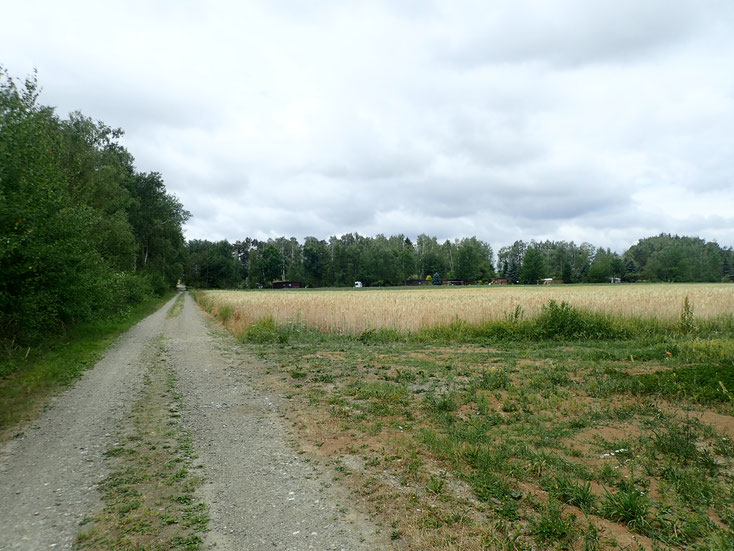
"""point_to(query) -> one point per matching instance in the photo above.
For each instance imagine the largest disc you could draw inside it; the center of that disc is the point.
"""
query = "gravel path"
(261, 493)
(48, 475)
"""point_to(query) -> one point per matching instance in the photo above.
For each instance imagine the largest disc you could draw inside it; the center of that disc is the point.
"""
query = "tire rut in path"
(261, 493)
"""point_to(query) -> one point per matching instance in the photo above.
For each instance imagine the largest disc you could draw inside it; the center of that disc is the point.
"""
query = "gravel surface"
(261, 493)
(48, 475)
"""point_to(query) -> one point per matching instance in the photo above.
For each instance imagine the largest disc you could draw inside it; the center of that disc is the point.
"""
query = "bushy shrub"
(225, 313)
(127, 288)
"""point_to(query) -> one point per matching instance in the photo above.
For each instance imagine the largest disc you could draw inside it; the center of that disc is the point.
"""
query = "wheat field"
(356, 310)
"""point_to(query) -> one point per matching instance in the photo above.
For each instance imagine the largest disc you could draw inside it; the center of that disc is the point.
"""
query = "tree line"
(83, 235)
(390, 261)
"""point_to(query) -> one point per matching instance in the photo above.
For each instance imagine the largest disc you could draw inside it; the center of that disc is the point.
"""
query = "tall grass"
(413, 310)
(281, 318)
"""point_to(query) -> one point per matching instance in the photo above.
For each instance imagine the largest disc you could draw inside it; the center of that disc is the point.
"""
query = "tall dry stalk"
(352, 311)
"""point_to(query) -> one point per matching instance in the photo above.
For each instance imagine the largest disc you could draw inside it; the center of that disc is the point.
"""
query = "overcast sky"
(598, 121)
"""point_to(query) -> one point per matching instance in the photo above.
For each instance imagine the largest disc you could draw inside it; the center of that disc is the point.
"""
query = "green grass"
(629, 506)
(552, 526)
(29, 376)
(549, 424)
(177, 307)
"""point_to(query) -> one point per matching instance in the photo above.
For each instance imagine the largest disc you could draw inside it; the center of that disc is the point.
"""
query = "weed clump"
(629, 506)
(563, 321)
(443, 403)
(707, 381)
(550, 526)
(568, 490)
(225, 312)
(495, 379)
(264, 330)
(383, 334)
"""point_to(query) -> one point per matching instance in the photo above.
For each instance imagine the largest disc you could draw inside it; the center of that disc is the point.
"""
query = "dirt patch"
(624, 538)
(645, 369)
(525, 362)
(722, 423)
(325, 356)
(587, 442)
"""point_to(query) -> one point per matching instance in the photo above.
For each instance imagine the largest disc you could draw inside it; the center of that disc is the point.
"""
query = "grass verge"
(149, 495)
(29, 376)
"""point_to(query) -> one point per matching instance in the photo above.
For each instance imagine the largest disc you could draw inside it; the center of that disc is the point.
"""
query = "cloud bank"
(590, 121)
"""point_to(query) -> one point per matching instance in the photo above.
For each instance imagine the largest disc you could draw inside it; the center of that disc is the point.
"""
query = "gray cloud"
(600, 121)
(572, 33)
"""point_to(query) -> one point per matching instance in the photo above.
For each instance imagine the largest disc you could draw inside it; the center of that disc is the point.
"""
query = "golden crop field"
(351, 311)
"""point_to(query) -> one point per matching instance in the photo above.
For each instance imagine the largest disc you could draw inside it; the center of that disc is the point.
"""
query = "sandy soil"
(261, 493)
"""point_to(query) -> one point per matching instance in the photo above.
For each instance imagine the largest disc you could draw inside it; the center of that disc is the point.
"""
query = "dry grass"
(353, 311)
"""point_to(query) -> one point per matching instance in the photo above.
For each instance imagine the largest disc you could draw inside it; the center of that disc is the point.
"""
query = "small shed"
(551, 281)
(499, 281)
(288, 285)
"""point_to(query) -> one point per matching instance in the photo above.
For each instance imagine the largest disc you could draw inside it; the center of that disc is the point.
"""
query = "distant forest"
(389, 261)
(83, 235)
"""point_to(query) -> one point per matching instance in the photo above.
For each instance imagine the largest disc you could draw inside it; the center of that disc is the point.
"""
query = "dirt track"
(261, 493)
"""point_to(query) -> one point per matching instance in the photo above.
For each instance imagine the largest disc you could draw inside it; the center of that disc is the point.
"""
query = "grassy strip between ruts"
(177, 307)
(28, 376)
(570, 438)
(149, 496)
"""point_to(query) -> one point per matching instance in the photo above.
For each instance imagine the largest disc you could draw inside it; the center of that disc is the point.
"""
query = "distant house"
(456, 282)
(551, 281)
(288, 285)
(499, 281)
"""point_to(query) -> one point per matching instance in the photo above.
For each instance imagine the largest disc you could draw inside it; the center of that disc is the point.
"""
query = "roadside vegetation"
(83, 235)
(567, 429)
(29, 375)
(88, 245)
